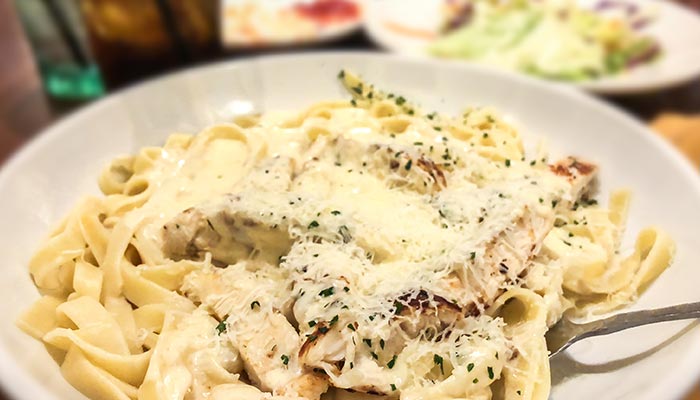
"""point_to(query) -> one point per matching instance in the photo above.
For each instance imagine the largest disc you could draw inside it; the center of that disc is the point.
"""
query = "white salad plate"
(676, 28)
(41, 183)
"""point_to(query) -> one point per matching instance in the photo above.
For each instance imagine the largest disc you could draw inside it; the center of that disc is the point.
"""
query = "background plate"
(676, 28)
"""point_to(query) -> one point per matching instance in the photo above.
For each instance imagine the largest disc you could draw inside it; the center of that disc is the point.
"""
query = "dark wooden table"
(25, 111)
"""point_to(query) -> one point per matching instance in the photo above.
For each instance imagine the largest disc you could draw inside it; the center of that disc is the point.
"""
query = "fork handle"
(633, 319)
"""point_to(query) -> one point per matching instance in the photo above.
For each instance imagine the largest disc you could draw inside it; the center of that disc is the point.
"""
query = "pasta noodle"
(353, 250)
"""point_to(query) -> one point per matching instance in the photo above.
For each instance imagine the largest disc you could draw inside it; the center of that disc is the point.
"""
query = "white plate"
(675, 27)
(322, 33)
(40, 184)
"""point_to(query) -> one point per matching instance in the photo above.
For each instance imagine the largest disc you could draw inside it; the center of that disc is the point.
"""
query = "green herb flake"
(285, 359)
(475, 381)
(408, 165)
(326, 292)
(399, 307)
(438, 361)
(400, 101)
(391, 362)
(333, 321)
(341, 74)
(254, 304)
(472, 255)
(313, 224)
(368, 342)
(507, 162)
(312, 324)
(490, 371)
(393, 387)
(381, 343)
(470, 367)
(221, 327)
(335, 212)
(345, 233)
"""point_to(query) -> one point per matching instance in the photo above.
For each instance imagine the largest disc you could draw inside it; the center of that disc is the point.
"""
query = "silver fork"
(565, 333)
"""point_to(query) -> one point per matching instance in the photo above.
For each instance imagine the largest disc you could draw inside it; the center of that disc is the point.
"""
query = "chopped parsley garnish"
(408, 165)
(323, 329)
(285, 359)
(507, 162)
(417, 143)
(335, 212)
(368, 342)
(438, 361)
(313, 224)
(400, 100)
(519, 392)
(554, 203)
(398, 306)
(381, 343)
(391, 362)
(312, 337)
(485, 135)
(475, 381)
(374, 355)
(351, 327)
(346, 289)
(353, 102)
(357, 89)
(393, 387)
(333, 321)
(472, 255)
(327, 292)
(312, 324)
(437, 128)
(566, 243)
(533, 162)
(221, 327)
(253, 304)
(345, 233)
(432, 115)
(341, 74)
(470, 367)
(490, 371)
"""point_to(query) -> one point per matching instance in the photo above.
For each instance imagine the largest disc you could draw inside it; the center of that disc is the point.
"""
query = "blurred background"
(59, 55)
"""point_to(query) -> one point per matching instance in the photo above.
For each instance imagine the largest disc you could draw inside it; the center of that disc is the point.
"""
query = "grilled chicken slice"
(251, 299)
(240, 225)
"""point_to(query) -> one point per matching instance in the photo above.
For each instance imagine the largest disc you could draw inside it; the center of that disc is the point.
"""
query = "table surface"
(25, 111)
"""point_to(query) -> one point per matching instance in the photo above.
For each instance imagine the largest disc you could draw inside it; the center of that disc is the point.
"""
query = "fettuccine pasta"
(357, 249)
